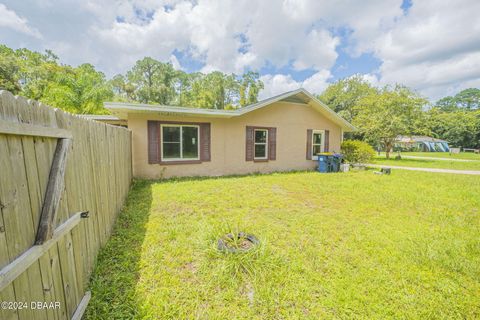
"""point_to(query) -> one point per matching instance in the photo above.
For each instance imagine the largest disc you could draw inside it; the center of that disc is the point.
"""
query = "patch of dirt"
(190, 267)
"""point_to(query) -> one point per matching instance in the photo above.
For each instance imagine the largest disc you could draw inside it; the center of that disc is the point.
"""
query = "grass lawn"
(462, 155)
(353, 245)
(427, 163)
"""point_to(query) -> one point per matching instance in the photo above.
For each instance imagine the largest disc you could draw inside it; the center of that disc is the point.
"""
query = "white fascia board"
(122, 109)
(101, 117)
(268, 101)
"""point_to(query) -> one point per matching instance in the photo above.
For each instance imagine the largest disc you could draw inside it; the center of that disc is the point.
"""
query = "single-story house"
(281, 133)
(420, 143)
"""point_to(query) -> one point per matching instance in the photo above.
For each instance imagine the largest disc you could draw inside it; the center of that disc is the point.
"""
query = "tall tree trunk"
(388, 147)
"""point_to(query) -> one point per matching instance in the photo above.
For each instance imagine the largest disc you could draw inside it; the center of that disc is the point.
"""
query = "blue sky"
(429, 45)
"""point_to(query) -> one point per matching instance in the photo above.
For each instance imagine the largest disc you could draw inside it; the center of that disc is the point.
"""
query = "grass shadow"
(117, 269)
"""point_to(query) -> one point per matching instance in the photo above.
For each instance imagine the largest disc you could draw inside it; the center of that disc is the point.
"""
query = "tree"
(250, 86)
(39, 76)
(36, 71)
(343, 95)
(383, 116)
(468, 99)
(460, 128)
(79, 90)
(447, 104)
(183, 87)
(9, 79)
(153, 81)
(457, 118)
(83, 89)
(214, 91)
(122, 88)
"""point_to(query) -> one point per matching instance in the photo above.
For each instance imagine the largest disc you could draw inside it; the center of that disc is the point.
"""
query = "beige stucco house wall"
(228, 140)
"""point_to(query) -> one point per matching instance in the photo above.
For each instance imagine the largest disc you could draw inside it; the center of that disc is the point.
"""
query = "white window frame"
(322, 143)
(181, 142)
(260, 143)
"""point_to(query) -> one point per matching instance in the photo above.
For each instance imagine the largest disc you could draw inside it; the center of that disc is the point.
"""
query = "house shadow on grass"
(117, 269)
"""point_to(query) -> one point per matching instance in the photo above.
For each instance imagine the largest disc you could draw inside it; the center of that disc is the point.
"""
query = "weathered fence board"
(20, 129)
(82, 306)
(54, 191)
(96, 179)
(29, 257)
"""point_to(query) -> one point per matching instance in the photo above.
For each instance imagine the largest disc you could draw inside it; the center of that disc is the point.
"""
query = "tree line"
(380, 114)
(83, 89)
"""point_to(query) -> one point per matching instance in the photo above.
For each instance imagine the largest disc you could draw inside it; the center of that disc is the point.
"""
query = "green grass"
(462, 155)
(354, 245)
(426, 163)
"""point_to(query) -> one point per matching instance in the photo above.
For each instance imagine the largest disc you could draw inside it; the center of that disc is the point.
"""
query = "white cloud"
(434, 49)
(318, 51)
(317, 82)
(279, 83)
(372, 79)
(229, 35)
(226, 35)
(365, 20)
(9, 19)
(276, 84)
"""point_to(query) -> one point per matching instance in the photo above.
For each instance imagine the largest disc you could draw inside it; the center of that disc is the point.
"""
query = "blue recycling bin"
(329, 162)
(336, 160)
(324, 163)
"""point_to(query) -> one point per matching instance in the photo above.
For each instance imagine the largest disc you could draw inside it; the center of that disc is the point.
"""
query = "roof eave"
(105, 117)
(122, 110)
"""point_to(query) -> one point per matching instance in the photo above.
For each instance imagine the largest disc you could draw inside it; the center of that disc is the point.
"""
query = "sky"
(432, 46)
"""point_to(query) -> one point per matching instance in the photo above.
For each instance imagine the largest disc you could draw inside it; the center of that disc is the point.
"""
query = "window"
(260, 144)
(318, 142)
(180, 142)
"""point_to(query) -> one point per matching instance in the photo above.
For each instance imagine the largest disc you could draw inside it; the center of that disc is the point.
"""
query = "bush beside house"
(356, 151)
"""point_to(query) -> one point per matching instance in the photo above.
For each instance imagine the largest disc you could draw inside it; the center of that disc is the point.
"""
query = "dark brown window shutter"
(327, 140)
(309, 144)
(153, 142)
(205, 149)
(272, 143)
(249, 144)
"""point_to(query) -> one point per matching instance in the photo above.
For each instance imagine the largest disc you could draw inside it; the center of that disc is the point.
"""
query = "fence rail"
(96, 178)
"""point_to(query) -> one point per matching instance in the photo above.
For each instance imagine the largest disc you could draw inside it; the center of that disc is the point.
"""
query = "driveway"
(470, 172)
(441, 159)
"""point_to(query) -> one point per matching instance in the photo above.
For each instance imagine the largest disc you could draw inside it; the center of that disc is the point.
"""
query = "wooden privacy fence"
(63, 179)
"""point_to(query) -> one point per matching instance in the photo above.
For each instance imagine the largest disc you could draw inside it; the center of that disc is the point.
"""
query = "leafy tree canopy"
(384, 115)
(468, 99)
(83, 89)
(343, 95)
(460, 128)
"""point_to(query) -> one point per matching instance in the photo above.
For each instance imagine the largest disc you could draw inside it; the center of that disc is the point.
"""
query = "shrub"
(356, 151)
